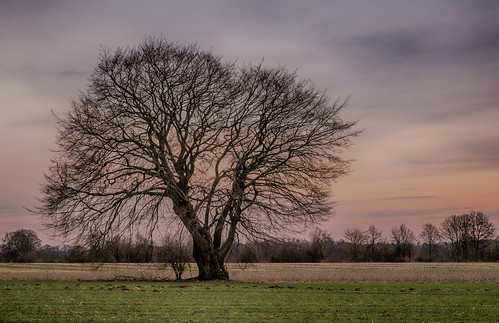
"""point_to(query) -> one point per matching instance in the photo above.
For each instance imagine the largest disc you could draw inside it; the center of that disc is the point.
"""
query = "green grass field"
(414, 292)
(47, 301)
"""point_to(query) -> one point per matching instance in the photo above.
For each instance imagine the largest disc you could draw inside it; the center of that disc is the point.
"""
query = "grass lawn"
(46, 301)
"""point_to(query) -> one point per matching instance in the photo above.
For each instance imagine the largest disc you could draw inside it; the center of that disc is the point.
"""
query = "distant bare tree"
(20, 246)
(467, 231)
(320, 239)
(404, 239)
(451, 231)
(169, 135)
(481, 231)
(357, 238)
(430, 236)
(248, 254)
(373, 237)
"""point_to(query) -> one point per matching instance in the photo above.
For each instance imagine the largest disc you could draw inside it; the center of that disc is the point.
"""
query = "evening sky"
(423, 77)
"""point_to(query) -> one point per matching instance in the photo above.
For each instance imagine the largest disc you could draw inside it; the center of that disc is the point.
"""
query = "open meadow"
(464, 292)
(263, 272)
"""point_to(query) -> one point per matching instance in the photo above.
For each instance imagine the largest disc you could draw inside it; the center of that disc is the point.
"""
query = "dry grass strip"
(265, 273)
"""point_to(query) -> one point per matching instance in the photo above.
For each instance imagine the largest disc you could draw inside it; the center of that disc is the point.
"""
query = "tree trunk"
(210, 263)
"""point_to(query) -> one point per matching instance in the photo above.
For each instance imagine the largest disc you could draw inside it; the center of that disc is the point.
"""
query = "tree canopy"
(167, 134)
(20, 245)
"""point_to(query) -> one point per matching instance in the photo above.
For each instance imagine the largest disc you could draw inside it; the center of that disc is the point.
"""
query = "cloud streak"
(409, 197)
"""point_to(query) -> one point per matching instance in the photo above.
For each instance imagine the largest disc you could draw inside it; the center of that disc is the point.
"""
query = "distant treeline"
(466, 237)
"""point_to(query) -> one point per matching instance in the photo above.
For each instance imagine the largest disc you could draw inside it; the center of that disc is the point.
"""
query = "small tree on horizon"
(466, 232)
(430, 236)
(319, 241)
(482, 229)
(168, 135)
(20, 245)
(373, 237)
(404, 239)
(356, 238)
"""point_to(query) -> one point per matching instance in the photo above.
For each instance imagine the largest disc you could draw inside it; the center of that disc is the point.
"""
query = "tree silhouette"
(430, 236)
(357, 238)
(20, 245)
(170, 135)
(404, 239)
(373, 237)
(466, 231)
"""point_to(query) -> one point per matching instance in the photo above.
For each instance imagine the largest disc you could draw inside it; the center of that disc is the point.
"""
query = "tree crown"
(167, 132)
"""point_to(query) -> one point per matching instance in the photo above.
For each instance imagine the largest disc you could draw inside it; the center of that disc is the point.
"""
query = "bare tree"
(320, 239)
(357, 238)
(168, 134)
(404, 239)
(373, 237)
(430, 236)
(481, 230)
(467, 231)
(20, 246)
(452, 233)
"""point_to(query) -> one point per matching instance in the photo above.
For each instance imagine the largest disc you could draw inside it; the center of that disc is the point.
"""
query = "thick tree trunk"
(210, 263)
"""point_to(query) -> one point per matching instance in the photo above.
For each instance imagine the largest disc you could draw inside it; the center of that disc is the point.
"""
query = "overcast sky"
(423, 77)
